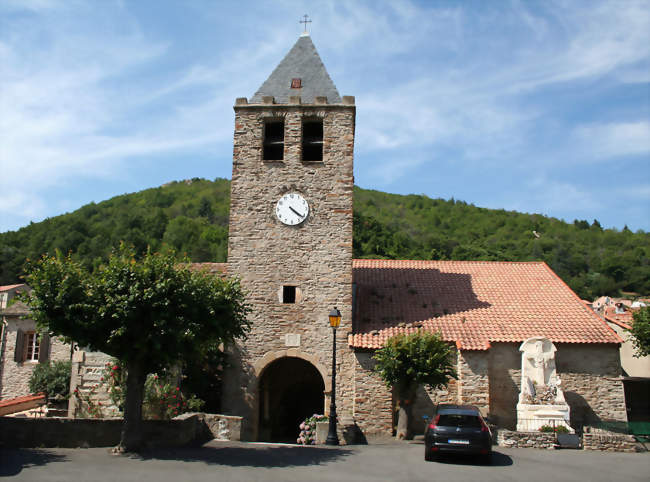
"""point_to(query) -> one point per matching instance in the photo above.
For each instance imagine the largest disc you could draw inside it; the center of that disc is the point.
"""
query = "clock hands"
(296, 212)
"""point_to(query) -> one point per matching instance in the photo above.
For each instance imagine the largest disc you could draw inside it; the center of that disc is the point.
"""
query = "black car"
(457, 429)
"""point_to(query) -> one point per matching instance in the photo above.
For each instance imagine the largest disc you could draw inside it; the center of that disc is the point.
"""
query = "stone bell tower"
(290, 242)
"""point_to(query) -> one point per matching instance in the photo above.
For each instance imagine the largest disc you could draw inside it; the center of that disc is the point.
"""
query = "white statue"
(223, 433)
(541, 400)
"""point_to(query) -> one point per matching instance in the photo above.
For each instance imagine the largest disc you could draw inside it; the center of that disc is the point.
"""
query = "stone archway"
(290, 390)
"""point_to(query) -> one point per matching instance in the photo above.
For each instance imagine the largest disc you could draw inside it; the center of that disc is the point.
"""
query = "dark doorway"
(637, 398)
(291, 389)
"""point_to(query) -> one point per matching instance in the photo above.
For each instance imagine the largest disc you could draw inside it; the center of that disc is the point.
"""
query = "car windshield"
(458, 420)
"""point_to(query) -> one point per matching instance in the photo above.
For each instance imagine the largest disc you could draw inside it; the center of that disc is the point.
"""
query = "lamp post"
(332, 437)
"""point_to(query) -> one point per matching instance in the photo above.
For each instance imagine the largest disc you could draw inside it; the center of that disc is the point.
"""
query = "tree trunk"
(405, 414)
(132, 427)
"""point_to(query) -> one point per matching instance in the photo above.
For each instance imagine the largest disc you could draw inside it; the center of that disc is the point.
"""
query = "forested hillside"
(192, 217)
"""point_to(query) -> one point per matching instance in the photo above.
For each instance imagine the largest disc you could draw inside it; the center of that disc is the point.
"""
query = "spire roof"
(303, 63)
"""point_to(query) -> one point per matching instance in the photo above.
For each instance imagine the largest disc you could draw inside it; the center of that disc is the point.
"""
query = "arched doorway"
(291, 389)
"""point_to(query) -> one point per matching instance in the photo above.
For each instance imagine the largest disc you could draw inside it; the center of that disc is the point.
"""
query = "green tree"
(407, 361)
(641, 332)
(151, 314)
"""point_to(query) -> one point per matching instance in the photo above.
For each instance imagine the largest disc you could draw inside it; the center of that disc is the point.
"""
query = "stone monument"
(541, 400)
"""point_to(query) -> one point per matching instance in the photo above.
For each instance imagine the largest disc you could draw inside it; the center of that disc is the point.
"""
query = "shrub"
(308, 429)
(53, 378)
(551, 429)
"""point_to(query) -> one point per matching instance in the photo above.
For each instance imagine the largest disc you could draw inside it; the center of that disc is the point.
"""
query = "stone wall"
(504, 368)
(591, 380)
(538, 440)
(188, 429)
(373, 400)
(15, 375)
(595, 439)
(315, 256)
(473, 385)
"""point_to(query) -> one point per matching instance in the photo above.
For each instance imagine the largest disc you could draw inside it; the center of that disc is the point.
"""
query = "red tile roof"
(210, 268)
(10, 287)
(472, 303)
(623, 320)
(25, 398)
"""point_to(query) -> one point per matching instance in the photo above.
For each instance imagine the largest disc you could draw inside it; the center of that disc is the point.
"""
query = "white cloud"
(87, 89)
(605, 141)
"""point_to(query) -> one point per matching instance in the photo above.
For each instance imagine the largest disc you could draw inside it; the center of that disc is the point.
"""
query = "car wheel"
(428, 455)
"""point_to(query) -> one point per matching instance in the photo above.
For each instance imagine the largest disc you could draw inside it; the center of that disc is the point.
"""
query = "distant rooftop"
(302, 73)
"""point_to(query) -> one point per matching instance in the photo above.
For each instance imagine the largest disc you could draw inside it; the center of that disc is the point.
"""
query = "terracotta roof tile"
(211, 268)
(472, 303)
(26, 398)
(624, 319)
(10, 287)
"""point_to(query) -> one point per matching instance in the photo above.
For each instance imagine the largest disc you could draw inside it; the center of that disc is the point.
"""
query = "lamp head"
(335, 318)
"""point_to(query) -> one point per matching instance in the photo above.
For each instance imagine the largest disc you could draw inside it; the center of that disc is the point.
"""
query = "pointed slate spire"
(303, 63)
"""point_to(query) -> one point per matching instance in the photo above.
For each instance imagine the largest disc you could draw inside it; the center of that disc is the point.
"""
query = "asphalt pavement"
(239, 461)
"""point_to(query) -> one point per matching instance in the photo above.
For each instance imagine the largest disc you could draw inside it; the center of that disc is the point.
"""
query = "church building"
(290, 243)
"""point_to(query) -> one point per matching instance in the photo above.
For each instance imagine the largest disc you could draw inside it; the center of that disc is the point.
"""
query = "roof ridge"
(446, 261)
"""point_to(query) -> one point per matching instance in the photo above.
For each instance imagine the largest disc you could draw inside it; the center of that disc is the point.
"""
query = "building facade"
(22, 346)
(290, 242)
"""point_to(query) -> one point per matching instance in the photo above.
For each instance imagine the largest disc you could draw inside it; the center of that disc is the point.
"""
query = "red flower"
(115, 367)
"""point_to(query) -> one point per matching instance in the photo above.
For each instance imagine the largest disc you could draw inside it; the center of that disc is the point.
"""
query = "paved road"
(230, 461)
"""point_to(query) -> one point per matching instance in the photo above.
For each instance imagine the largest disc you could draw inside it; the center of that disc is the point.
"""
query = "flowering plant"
(162, 400)
(308, 429)
(556, 429)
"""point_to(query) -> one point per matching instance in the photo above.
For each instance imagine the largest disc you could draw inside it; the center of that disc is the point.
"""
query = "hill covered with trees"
(192, 217)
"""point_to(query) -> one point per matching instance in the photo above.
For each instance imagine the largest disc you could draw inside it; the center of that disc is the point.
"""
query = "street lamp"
(332, 437)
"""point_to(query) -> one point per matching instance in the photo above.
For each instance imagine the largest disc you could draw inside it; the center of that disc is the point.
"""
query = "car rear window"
(456, 420)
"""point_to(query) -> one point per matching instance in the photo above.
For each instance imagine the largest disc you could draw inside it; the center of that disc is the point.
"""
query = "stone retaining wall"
(538, 440)
(594, 439)
(188, 429)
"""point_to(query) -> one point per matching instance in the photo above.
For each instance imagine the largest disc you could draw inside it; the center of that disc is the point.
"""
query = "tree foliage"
(150, 313)
(420, 358)
(191, 217)
(407, 361)
(641, 332)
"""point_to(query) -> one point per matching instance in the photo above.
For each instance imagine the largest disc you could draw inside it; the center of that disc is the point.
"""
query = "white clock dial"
(292, 209)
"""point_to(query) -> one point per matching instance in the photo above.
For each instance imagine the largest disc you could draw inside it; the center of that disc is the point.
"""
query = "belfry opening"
(290, 390)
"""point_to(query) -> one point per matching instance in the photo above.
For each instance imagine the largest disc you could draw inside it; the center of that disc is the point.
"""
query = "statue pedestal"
(531, 417)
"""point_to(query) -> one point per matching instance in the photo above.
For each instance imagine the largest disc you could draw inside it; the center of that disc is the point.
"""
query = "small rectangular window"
(312, 140)
(32, 346)
(288, 294)
(274, 140)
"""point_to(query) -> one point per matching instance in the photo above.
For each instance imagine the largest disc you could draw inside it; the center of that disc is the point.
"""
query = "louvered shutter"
(44, 348)
(20, 346)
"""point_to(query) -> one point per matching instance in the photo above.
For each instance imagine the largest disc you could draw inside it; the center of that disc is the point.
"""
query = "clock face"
(292, 209)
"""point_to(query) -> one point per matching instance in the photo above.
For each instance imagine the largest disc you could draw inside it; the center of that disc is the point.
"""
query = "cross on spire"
(305, 21)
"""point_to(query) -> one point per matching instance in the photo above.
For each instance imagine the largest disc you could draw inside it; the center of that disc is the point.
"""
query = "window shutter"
(20, 346)
(43, 348)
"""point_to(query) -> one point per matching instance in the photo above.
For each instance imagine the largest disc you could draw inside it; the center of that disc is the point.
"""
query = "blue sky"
(537, 107)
